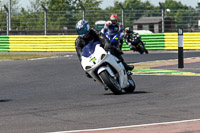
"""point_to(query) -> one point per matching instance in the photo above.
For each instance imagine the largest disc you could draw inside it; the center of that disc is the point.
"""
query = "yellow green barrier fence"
(42, 43)
(169, 41)
(190, 41)
(4, 43)
(155, 41)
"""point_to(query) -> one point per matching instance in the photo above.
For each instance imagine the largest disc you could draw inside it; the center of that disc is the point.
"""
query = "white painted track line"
(124, 127)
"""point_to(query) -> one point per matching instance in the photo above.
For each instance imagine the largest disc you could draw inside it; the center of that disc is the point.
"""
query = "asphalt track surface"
(53, 94)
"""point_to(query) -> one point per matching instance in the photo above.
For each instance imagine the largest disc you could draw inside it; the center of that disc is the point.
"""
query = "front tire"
(132, 85)
(112, 84)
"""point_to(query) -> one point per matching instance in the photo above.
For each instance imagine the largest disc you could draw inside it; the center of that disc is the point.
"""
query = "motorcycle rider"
(113, 30)
(128, 37)
(87, 35)
(133, 39)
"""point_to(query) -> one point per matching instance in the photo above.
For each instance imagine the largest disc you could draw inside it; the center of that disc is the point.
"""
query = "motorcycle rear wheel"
(146, 51)
(112, 84)
(141, 49)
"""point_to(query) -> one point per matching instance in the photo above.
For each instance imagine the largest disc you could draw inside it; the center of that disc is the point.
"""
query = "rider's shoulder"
(93, 30)
(78, 39)
(108, 23)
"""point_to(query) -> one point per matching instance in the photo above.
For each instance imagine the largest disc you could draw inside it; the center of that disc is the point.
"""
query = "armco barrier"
(190, 41)
(155, 41)
(42, 43)
(4, 43)
(171, 41)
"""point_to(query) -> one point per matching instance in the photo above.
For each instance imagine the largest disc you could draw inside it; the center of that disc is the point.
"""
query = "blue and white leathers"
(113, 32)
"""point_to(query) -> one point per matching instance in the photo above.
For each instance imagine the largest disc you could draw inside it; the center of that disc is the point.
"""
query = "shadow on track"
(5, 100)
(132, 93)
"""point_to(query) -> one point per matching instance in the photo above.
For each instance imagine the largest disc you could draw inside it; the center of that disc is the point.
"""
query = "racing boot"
(128, 67)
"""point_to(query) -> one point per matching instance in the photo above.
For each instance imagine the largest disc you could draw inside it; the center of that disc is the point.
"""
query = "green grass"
(25, 56)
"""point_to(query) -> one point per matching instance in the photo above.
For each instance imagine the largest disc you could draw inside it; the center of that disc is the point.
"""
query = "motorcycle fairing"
(97, 60)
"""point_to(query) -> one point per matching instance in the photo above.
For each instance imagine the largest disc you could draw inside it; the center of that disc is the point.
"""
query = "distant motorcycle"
(106, 69)
(136, 44)
(114, 37)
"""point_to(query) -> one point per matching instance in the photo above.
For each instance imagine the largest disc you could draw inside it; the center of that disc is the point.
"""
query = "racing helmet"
(82, 28)
(128, 30)
(114, 18)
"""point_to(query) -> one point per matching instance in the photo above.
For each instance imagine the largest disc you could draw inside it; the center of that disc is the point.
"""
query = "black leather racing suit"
(93, 36)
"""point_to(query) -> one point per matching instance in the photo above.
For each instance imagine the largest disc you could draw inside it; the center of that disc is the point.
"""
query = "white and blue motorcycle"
(105, 68)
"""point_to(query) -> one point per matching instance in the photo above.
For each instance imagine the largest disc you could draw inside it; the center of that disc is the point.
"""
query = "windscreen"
(89, 49)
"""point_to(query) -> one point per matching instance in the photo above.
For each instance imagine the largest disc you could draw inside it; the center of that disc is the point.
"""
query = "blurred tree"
(36, 5)
(14, 13)
(134, 9)
(175, 5)
(91, 4)
(3, 17)
(181, 14)
(63, 14)
(93, 10)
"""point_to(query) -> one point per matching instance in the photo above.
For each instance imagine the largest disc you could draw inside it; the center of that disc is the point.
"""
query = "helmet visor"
(114, 21)
(82, 31)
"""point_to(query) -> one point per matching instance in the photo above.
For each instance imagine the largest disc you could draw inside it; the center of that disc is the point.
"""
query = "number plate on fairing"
(93, 60)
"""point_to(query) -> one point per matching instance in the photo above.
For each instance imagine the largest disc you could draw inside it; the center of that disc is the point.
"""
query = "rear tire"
(146, 51)
(132, 85)
(112, 84)
(141, 49)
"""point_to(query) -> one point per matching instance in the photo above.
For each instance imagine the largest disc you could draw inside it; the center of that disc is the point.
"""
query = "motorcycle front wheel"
(132, 85)
(111, 83)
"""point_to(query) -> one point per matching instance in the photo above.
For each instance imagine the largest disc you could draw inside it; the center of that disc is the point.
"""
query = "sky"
(107, 3)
